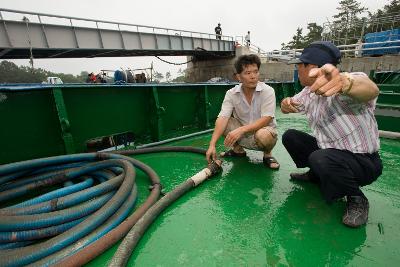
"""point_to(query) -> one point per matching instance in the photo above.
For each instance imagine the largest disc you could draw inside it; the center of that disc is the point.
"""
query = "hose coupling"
(212, 169)
(215, 166)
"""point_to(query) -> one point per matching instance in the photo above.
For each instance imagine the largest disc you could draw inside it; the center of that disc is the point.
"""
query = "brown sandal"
(233, 154)
(268, 162)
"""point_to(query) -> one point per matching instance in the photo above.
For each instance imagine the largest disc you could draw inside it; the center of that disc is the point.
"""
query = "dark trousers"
(338, 172)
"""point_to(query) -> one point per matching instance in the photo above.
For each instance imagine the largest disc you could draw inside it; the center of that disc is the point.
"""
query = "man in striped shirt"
(342, 155)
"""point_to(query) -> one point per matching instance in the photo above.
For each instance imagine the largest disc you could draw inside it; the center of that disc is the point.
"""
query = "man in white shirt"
(247, 38)
(342, 154)
(247, 116)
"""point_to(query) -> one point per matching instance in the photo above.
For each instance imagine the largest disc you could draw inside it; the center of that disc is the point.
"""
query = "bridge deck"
(77, 37)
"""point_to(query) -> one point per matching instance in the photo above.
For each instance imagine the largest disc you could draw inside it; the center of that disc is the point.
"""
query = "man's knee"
(289, 135)
(324, 163)
(265, 139)
(319, 159)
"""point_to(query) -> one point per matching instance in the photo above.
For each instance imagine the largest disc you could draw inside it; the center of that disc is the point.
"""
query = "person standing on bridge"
(342, 155)
(247, 39)
(218, 31)
(247, 116)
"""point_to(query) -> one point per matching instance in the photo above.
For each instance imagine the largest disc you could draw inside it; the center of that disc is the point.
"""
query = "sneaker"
(356, 213)
(303, 177)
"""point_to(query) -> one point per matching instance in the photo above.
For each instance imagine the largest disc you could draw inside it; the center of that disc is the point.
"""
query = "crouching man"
(247, 117)
(342, 154)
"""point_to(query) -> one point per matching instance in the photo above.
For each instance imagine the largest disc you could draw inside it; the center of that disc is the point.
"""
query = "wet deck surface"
(252, 216)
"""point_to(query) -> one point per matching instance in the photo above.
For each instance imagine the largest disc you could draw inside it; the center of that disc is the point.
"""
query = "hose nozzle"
(212, 169)
(215, 166)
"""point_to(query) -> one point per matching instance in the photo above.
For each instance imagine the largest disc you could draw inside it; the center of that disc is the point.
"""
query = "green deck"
(252, 216)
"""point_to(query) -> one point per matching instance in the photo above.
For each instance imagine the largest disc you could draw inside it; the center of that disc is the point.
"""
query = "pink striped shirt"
(340, 121)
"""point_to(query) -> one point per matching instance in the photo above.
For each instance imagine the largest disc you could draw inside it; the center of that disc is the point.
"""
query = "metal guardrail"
(358, 47)
(350, 50)
(282, 55)
(141, 28)
(239, 40)
(353, 31)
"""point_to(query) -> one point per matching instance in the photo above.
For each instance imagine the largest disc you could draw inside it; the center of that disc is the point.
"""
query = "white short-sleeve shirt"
(263, 104)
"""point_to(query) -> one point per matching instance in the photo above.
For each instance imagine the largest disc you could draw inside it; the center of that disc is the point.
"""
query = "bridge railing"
(239, 40)
(42, 18)
(350, 50)
(358, 49)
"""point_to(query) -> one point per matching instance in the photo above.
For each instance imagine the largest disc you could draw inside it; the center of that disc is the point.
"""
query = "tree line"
(348, 25)
(11, 73)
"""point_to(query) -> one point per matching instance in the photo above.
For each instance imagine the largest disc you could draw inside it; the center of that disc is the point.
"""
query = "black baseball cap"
(319, 53)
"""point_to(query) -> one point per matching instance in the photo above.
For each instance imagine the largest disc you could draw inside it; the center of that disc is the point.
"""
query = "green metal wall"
(29, 126)
(386, 77)
(388, 106)
(39, 121)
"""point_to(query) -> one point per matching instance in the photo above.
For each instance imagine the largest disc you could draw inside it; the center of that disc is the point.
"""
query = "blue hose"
(12, 176)
(76, 217)
(114, 221)
(36, 221)
(101, 208)
(55, 179)
(39, 163)
(6, 237)
(55, 194)
(67, 201)
(26, 255)
(15, 245)
(38, 175)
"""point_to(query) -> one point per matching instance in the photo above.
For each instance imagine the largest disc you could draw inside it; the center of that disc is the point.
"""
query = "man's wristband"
(350, 81)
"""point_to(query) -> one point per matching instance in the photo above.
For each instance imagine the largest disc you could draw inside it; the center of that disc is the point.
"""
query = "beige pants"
(264, 139)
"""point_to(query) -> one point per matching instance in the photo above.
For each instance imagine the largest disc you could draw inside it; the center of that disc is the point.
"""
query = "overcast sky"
(270, 23)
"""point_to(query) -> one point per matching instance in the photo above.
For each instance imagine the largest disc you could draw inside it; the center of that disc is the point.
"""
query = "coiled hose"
(73, 225)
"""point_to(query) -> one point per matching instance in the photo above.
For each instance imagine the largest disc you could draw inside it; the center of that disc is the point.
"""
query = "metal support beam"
(6, 30)
(140, 37)
(156, 40)
(4, 52)
(100, 37)
(207, 107)
(169, 42)
(159, 111)
(193, 48)
(44, 32)
(64, 122)
(76, 37)
(122, 38)
(182, 46)
(61, 53)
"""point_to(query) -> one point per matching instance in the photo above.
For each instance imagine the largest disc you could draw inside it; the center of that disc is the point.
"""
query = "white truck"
(53, 80)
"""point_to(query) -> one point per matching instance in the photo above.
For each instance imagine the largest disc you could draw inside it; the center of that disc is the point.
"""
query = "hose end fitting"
(212, 169)
(215, 167)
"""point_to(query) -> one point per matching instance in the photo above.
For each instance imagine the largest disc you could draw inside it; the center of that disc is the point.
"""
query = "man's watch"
(349, 83)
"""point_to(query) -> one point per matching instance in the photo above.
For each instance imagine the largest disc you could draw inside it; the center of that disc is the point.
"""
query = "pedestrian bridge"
(37, 35)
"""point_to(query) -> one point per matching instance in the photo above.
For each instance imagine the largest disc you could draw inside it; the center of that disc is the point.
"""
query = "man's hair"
(246, 60)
